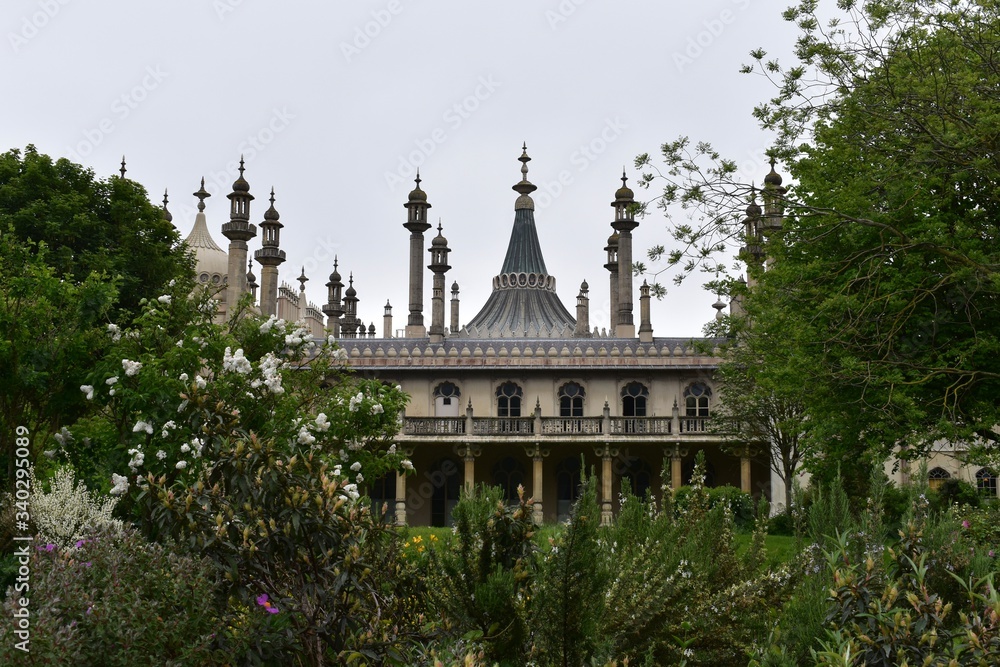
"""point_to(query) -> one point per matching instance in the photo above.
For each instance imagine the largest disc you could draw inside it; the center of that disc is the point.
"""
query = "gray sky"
(334, 104)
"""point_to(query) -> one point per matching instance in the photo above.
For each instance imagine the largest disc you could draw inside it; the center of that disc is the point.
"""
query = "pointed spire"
(302, 280)
(122, 170)
(417, 195)
(166, 212)
(773, 177)
(202, 194)
(251, 278)
(271, 213)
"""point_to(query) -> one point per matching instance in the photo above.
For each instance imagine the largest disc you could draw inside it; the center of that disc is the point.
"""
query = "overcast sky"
(334, 104)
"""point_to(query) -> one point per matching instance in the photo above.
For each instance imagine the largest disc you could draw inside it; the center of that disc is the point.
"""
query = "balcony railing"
(503, 425)
(570, 425)
(555, 426)
(434, 425)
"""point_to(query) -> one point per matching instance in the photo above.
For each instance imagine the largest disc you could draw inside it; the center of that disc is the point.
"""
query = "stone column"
(537, 481)
(469, 454)
(606, 453)
(677, 454)
(745, 473)
(400, 498)
(645, 323)
(454, 310)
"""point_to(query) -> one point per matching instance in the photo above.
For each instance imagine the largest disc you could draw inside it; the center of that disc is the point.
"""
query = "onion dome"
(454, 286)
(613, 240)
(335, 276)
(166, 213)
(624, 193)
(251, 278)
(417, 195)
(584, 287)
(753, 210)
(439, 240)
(240, 184)
(773, 178)
(271, 214)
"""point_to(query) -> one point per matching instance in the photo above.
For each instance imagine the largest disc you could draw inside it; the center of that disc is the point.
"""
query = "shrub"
(118, 600)
(68, 512)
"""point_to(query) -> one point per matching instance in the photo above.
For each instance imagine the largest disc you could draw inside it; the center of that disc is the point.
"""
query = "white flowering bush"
(68, 513)
(251, 443)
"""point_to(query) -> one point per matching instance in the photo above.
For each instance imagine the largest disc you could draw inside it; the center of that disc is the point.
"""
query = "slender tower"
(238, 230)
(582, 312)
(334, 309)
(439, 266)
(624, 224)
(454, 309)
(612, 267)
(416, 223)
(269, 257)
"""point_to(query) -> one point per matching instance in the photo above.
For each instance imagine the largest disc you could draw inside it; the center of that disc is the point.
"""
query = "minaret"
(387, 321)
(252, 280)
(238, 230)
(416, 222)
(439, 265)
(303, 303)
(645, 323)
(774, 200)
(624, 224)
(334, 309)
(752, 253)
(350, 323)
(612, 267)
(454, 309)
(269, 257)
(583, 312)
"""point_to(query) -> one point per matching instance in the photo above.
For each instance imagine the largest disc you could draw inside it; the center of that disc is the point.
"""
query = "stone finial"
(202, 194)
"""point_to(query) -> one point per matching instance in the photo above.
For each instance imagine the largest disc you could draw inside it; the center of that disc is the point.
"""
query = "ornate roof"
(524, 302)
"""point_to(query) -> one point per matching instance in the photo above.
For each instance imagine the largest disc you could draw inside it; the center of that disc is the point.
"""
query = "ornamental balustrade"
(555, 426)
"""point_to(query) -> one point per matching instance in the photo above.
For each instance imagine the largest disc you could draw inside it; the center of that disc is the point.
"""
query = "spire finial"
(166, 213)
(334, 262)
(302, 280)
(624, 177)
(417, 179)
(524, 187)
(123, 167)
(241, 165)
(201, 195)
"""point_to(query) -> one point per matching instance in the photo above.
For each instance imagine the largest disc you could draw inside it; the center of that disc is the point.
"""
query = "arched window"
(639, 476)
(508, 474)
(567, 486)
(508, 400)
(382, 493)
(446, 477)
(936, 477)
(447, 401)
(986, 482)
(571, 400)
(696, 400)
(634, 396)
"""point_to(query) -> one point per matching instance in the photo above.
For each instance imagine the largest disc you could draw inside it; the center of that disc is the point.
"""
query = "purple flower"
(965, 524)
(47, 547)
(80, 543)
(263, 602)
(991, 554)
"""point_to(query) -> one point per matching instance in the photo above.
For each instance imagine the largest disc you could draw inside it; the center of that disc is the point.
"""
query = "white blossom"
(352, 491)
(63, 437)
(143, 426)
(392, 449)
(355, 402)
(407, 464)
(269, 366)
(111, 380)
(356, 466)
(165, 298)
(181, 465)
(360, 478)
(131, 367)
(69, 512)
(305, 437)
(160, 454)
(138, 458)
(200, 381)
(377, 409)
(183, 377)
(322, 423)
(114, 332)
(120, 484)
(236, 363)
(185, 448)
(88, 390)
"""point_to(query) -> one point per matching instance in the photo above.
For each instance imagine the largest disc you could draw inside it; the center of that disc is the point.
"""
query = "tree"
(887, 254)
(75, 255)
